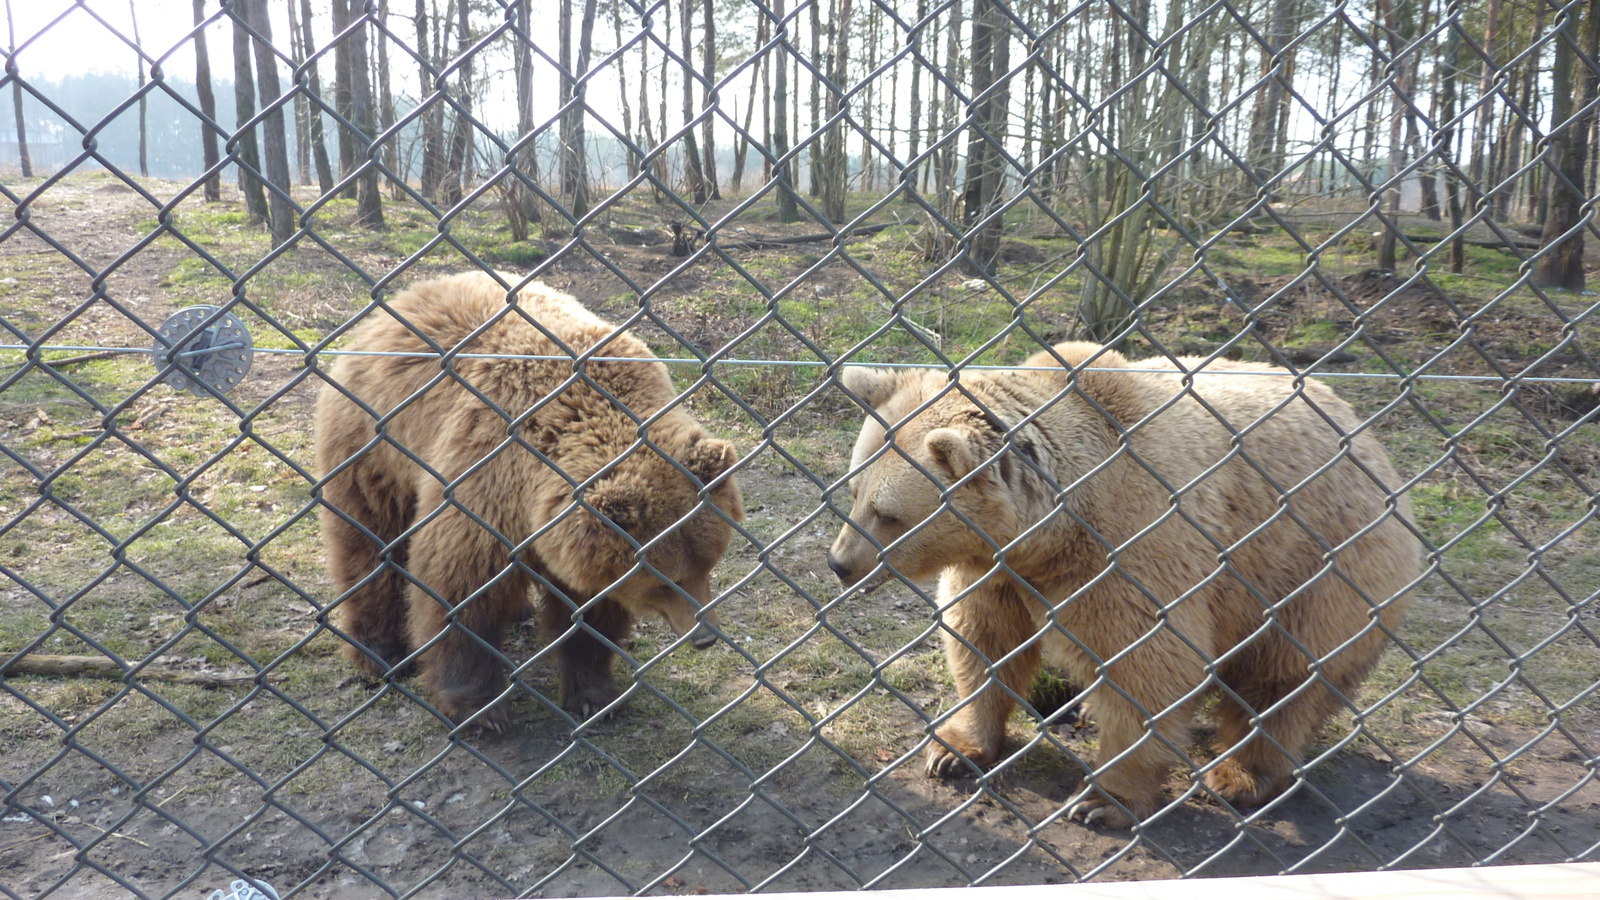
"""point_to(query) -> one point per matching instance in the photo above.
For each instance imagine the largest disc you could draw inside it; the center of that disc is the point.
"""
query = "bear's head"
(902, 487)
(643, 537)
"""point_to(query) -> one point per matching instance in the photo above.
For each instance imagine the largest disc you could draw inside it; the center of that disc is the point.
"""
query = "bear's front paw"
(586, 702)
(1235, 783)
(379, 658)
(1095, 808)
(956, 759)
(495, 718)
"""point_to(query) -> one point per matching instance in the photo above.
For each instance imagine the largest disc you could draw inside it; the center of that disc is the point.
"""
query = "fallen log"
(57, 666)
(1492, 245)
(760, 243)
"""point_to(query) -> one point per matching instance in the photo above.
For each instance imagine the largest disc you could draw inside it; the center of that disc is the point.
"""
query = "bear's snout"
(846, 578)
(703, 638)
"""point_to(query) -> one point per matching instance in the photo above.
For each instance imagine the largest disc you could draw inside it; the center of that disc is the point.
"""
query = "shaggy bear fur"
(1287, 603)
(402, 588)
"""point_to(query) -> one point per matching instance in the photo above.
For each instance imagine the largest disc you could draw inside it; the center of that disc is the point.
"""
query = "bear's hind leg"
(1137, 745)
(583, 660)
(457, 559)
(373, 611)
(1254, 770)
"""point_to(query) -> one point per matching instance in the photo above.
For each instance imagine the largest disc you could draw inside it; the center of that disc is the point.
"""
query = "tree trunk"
(1056, 117)
(794, 113)
(914, 107)
(892, 133)
(1111, 165)
(1330, 174)
(580, 150)
(622, 92)
(455, 165)
(526, 158)
(743, 143)
(1530, 104)
(144, 131)
(666, 59)
(302, 111)
(16, 98)
(391, 149)
(1427, 178)
(275, 146)
(766, 113)
(835, 162)
(1480, 129)
(1561, 243)
(319, 141)
(1501, 162)
(691, 147)
(657, 163)
(369, 202)
(813, 156)
(1447, 133)
(708, 99)
(244, 100)
(788, 207)
(1388, 253)
(1374, 83)
(869, 98)
(945, 173)
(208, 105)
(341, 95)
(744, 140)
(990, 55)
(568, 158)
(433, 115)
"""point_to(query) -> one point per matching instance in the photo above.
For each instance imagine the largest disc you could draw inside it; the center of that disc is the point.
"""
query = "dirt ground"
(332, 787)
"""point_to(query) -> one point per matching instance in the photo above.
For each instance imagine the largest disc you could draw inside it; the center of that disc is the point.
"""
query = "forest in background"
(1140, 128)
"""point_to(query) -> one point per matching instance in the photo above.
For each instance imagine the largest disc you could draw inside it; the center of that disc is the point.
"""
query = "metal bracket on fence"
(217, 356)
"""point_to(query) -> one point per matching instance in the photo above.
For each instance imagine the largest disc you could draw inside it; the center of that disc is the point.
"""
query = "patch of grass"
(1272, 259)
(1312, 333)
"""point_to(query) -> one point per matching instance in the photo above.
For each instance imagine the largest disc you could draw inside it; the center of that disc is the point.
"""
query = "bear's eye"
(888, 521)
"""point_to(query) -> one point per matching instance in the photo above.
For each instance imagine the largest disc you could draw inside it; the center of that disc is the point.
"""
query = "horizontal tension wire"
(817, 363)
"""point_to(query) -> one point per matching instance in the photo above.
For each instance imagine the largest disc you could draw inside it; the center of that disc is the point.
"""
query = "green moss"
(1313, 333)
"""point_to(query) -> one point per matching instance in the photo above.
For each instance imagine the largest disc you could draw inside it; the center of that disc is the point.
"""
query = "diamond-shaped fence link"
(999, 442)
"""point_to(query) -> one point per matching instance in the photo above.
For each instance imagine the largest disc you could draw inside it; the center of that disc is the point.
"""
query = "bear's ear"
(873, 386)
(952, 451)
(709, 457)
(623, 502)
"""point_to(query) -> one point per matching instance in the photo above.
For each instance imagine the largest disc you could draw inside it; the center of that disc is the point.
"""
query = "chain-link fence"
(1194, 614)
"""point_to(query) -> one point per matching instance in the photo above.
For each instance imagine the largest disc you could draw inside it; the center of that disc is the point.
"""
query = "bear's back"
(1291, 449)
(1287, 431)
(514, 362)
(1233, 447)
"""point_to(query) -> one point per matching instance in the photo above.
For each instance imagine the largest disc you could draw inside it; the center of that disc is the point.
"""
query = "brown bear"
(1159, 540)
(434, 472)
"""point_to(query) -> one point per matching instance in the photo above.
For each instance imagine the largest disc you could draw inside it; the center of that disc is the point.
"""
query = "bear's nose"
(840, 569)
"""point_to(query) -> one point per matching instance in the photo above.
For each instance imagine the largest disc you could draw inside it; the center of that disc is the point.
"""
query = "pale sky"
(59, 38)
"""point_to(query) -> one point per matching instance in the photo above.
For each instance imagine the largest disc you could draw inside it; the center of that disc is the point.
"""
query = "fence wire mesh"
(1167, 568)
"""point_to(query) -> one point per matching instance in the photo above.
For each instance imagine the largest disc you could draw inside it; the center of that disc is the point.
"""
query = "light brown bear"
(428, 489)
(1169, 554)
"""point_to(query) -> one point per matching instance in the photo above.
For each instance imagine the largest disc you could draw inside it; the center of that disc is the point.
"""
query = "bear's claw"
(944, 764)
(1094, 808)
(495, 718)
(587, 703)
(956, 762)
